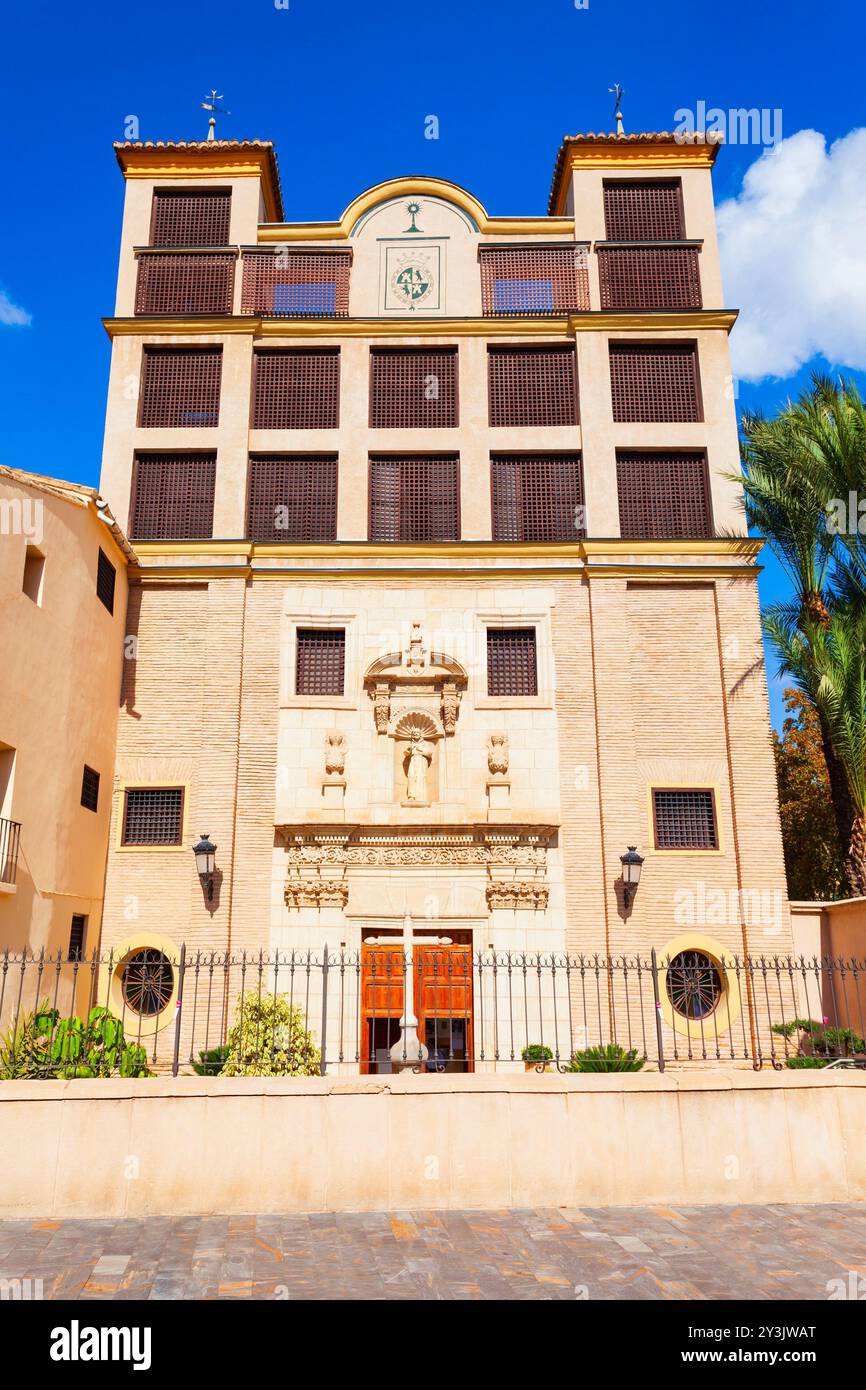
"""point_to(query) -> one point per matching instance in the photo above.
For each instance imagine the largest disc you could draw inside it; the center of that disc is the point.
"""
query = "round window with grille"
(147, 981)
(694, 984)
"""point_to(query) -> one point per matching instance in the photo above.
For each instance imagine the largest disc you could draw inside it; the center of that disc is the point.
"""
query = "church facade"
(441, 597)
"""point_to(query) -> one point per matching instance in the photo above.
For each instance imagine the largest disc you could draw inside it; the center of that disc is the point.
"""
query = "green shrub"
(211, 1063)
(269, 1038)
(817, 1040)
(609, 1058)
(806, 1062)
(46, 1046)
(536, 1052)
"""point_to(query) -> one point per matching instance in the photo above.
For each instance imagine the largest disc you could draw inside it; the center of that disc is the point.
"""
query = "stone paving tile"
(656, 1253)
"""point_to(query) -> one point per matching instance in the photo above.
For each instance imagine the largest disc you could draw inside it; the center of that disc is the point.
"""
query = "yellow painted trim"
(109, 986)
(184, 164)
(723, 545)
(730, 1006)
(628, 155)
(747, 546)
(683, 853)
(669, 571)
(591, 321)
(134, 783)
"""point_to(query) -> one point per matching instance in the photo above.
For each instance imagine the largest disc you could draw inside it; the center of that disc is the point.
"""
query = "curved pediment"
(408, 187)
(394, 666)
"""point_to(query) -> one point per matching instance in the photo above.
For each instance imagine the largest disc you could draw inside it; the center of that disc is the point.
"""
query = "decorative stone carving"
(335, 753)
(514, 849)
(518, 893)
(497, 754)
(432, 681)
(316, 892)
(382, 707)
(416, 656)
(450, 705)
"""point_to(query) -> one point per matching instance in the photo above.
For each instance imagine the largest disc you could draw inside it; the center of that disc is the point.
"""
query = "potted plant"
(536, 1057)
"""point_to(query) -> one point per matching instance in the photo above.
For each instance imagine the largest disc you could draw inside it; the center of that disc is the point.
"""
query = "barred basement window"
(296, 390)
(537, 497)
(105, 581)
(511, 661)
(153, 816)
(413, 388)
(663, 496)
(190, 217)
(643, 210)
(533, 279)
(180, 387)
(651, 382)
(530, 386)
(292, 498)
(415, 499)
(296, 284)
(173, 496)
(77, 936)
(321, 661)
(90, 789)
(684, 819)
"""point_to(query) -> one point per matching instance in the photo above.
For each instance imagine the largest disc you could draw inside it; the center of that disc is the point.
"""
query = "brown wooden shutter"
(650, 382)
(173, 496)
(169, 282)
(415, 498)
(413, 388)
(292, 497)
(90, 789)
(643, 210)
(296, 390)
(684, 819)
(180, 387)
(537, 497)
(296, 284)
(511, 661)
(649, 277)
(106, 577)
(191, 217)
(663, 495)
(321, 661)
(533, 279)
(153, 816)
(530, 386)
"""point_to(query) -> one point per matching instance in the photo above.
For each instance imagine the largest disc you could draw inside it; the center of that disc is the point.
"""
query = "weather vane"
(617, 92)
(210, 104)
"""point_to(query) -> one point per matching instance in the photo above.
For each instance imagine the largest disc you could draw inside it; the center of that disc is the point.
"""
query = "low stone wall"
(134, 1148)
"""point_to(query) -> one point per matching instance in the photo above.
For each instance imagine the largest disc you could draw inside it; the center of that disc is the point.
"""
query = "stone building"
(442, 596)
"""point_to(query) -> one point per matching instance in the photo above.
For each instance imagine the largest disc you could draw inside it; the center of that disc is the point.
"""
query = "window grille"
(190, 217)
(537, 497)
(173, 496)
(77, 934)
(529, 386)
(106, 576)
(663, 496)
(296, 284)
(173, 282)
(296, 390)
(292, 498)
(415, 499)
(153, 816)
(533, 279)
(90, 789)
(321, 661)
(511, 661)
(684, 819)
(180, 387)
(643, 210)
(414, 389)
(654, 383)
(651, 277)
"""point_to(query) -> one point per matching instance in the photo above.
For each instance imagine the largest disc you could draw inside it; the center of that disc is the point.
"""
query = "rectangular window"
(191, 217)
(296, 284)
(415, 499)
(292, 498)
(105, 580)
(180, 387)
(77, 936)
(649, 382)
(173, 496)
(533, 279)
(663, 496)
(529, 386)
(321, 661)
(153, 816)
(684, 819)
(511, 661)
(413, 388)
(180, 282)
(90, 789)
(296, 390)
(34, 574)
(643, 210)
(649, 277)
(537, 497)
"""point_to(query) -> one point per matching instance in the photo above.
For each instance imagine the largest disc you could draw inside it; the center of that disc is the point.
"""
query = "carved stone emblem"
(335, 753)
(497, 753)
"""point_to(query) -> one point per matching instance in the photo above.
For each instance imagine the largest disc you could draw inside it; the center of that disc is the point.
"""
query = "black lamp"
(632, 863)
(205, 862)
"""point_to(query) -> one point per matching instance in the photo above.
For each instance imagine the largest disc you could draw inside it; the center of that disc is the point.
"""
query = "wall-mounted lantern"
(205, 863)
(632, 863)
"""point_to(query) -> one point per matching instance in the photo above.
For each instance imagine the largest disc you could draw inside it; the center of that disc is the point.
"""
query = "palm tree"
(828, 662)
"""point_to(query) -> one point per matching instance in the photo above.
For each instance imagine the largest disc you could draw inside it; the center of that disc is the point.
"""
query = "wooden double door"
(442, 998)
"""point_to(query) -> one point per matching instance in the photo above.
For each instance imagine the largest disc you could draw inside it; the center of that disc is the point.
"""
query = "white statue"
(420, 756)
(335, 753)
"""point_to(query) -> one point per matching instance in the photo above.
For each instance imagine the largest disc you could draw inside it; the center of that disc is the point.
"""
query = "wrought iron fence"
(308, 1012)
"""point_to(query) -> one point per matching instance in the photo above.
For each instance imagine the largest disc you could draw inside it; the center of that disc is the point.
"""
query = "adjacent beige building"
(432, 610)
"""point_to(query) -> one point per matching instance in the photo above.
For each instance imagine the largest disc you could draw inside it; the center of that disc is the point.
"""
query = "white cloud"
(11, 313)
(793, 248)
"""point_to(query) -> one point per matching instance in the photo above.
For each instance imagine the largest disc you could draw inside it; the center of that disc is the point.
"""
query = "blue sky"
(343, 89)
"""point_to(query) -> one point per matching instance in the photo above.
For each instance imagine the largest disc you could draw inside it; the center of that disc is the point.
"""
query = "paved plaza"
(779, 1252)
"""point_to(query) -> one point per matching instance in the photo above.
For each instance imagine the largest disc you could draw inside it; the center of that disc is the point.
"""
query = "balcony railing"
(649, 275)
(296, 284)
(532, 281)
(10, 833)
(185, 282)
